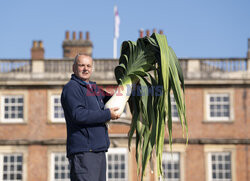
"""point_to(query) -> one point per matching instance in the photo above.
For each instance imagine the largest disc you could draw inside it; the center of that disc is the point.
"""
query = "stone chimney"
(37, 50)
(80, 35)
(74, 35)
(71, 47)
(67, 35)
(87, 36)
(141, 32)
(37, 57)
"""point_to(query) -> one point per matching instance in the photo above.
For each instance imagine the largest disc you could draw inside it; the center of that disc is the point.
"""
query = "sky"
(194, 28)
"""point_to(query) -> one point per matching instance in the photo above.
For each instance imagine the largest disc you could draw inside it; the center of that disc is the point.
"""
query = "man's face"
(83, 67)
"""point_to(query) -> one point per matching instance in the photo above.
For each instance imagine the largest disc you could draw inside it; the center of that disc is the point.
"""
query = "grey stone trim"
(198, 141)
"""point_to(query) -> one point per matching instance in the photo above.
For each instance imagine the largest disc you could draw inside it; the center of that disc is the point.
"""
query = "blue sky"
(194, 28)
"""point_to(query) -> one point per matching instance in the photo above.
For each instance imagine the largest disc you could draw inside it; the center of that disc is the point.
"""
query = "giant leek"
(148, 72)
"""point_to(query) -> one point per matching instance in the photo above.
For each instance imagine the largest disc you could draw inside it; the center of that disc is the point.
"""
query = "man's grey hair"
(79, 54)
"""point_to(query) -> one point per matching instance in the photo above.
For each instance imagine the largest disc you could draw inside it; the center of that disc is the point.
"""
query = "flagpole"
(115, 48)
(116, 31)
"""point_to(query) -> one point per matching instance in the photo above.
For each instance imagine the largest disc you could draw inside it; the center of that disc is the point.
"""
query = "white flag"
(117, 22)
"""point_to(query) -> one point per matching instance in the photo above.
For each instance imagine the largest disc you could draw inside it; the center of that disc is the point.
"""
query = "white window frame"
(51, 94)
(13, 163)
(8, 120)
(14, 93)
(53, 154)
(53, 119)
(50, 165)
(181, 150)
(14, 150)
(123, 151)
(210, 175)
(208, 93)
(209, 149)
(225, 118)
(172, 155)
(173, 103)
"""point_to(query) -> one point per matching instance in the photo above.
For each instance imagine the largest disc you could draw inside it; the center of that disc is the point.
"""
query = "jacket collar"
(86, 84)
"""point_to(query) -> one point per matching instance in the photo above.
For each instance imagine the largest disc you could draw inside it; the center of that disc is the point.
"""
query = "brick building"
(33, 133)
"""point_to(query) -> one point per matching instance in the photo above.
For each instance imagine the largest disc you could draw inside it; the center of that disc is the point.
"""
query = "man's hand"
(114, 115)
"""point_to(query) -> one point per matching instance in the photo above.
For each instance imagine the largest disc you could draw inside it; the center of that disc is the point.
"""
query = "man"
(87, 135)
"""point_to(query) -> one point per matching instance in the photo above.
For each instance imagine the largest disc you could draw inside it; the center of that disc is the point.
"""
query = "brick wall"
(38, 128)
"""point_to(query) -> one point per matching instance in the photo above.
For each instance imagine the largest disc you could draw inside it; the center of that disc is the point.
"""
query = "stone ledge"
(33, 142)
(203, 141)
(199, 141)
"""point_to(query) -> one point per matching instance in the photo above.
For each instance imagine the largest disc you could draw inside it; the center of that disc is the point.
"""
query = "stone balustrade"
(53, 69)
(17, 65)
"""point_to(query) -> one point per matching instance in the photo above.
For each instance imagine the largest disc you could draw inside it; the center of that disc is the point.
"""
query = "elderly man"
(87, 135)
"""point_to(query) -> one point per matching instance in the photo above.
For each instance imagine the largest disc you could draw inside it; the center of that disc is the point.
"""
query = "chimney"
(34, 44)
(87, 36)
(37, 51)
(80, 35)
(147, 32)
(71, 47)
(161, 32)
(40, 44)
(141, 33)
(37, 57)
(74, 35)
(154, 30)
(67, 35)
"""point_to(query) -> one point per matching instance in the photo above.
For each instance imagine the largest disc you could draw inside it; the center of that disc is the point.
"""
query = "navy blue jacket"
(85, 117)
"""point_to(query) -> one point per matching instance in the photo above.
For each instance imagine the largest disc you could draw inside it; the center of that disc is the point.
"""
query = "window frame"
(53, 119)
(51, 95)
(50, 152)
(9, 93)
(15, 150)
(118, 151)
(52, 155)
(210, 169)
(209, 149)
(207, 94)
(181, 150)
(173, 103)
(164, 158)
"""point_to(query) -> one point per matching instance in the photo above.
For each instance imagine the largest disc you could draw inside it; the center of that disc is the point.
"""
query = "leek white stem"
(120, 97)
